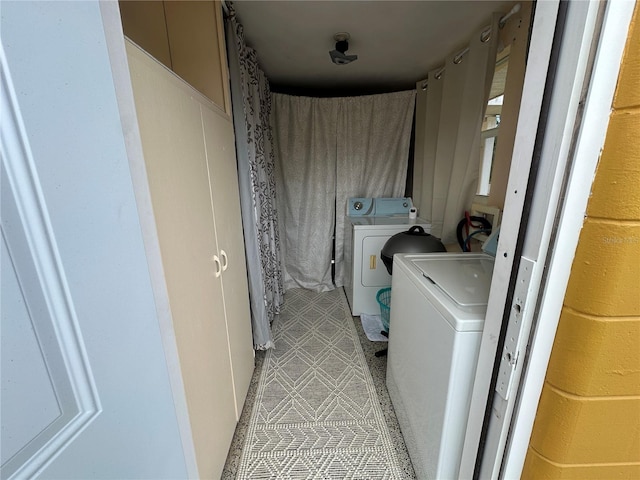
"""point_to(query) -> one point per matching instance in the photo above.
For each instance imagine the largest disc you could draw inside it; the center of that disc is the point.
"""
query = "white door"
(589, 40)
(86, 391)
(563, 149)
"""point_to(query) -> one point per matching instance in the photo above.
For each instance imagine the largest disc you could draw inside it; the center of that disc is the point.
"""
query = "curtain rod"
(503, 20)
(484, 37)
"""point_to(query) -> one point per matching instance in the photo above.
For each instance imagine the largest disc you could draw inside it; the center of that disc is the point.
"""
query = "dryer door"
(374, 273)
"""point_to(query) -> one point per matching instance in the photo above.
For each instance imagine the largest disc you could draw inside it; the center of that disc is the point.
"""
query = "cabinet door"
(197, 50)
(144, 23)
(171, 130)
(221, 158)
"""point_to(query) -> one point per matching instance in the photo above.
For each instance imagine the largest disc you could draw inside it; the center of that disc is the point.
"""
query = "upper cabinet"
(187, 37)
(145, 24)
(195, 46)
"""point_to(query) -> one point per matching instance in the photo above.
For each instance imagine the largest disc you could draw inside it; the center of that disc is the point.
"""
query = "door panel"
(23, 366)
(145, 23)
(85, 383)
(42, 347)
(195, 48)
(221, 159)
(173, 145)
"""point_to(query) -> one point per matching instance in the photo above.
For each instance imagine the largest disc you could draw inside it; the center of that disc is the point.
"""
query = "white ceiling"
(397, 42)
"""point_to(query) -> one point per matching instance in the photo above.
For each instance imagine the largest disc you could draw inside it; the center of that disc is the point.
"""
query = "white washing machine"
(438, 305)
(365, 272)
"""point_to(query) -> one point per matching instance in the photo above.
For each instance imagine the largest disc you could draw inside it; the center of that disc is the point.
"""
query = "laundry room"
(319, 239)
(361, 139)
(352, 128)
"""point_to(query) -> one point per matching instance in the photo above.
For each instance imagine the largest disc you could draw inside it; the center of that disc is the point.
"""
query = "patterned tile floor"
(377, 367)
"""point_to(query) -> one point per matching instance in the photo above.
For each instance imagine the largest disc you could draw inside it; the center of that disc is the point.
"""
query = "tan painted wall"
(588, 421)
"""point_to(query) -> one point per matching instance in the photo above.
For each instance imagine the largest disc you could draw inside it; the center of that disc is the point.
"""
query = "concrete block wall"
(588, 420)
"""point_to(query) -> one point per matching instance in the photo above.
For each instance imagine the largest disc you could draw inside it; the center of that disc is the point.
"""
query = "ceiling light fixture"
(338, 56)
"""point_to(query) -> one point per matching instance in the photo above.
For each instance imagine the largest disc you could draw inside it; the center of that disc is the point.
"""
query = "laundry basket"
(384, 300)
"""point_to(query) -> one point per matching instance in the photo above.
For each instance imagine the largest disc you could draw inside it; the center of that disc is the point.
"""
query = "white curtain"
(456, 100)
(305, 142)
(374, 133)
(327, 150)
(251, 115)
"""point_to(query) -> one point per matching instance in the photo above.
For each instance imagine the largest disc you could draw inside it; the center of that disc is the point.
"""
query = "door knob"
(225, 260)
(216, 261)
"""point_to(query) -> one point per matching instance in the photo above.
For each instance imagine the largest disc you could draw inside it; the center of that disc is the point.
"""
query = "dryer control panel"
(376, 207)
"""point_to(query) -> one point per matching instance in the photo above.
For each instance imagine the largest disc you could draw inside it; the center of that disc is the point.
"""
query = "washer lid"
(465, 280)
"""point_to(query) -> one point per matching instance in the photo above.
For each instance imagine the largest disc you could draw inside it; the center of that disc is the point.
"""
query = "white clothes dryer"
(365, 272)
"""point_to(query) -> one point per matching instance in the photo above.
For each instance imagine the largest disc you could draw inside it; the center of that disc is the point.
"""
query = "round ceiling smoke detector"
(339, 56)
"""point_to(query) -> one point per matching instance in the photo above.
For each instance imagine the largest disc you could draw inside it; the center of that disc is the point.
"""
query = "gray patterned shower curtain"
(251, 100)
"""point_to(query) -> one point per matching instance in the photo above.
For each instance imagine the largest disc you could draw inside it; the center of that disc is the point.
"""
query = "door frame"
(541, 40)
(607, 42)
(585, 47)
